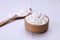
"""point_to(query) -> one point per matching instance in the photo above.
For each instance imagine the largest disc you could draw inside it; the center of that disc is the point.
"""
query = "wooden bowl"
(36, 28)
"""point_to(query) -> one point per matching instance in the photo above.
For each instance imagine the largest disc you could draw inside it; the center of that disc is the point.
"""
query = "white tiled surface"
(16, 30)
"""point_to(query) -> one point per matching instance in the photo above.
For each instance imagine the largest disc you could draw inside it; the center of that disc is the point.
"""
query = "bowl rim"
(38, 25)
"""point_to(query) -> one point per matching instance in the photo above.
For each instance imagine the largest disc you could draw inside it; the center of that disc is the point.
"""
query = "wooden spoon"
(13, 18)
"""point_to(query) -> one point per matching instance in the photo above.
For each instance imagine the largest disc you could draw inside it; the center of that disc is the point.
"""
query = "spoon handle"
(7, 20)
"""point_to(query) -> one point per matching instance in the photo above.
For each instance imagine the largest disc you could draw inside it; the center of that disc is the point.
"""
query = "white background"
(16, 29)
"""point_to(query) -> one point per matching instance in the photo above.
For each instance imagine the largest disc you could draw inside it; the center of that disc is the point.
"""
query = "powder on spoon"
(24, 12)
(21, 13)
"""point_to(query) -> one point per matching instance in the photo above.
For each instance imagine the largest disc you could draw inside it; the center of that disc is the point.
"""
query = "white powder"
(21, 13)
(36, 19)
(24, 12)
